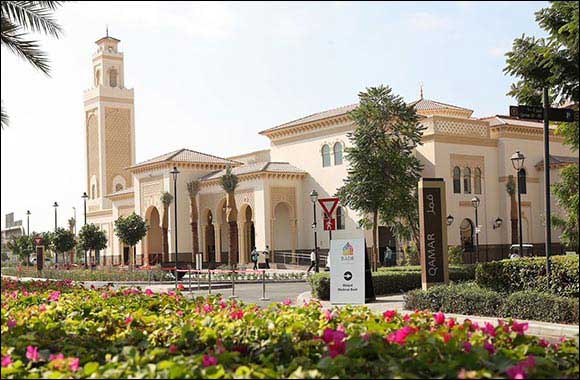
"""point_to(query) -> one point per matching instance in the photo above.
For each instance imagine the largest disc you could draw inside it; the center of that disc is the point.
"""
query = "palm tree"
(20, 18)
(229, 182)
(192, 190)
(71, 227)
(166, 199)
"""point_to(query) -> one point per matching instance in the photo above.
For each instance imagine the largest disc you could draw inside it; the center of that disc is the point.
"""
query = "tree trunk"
(194, 233)
(232, 219)
(375, 242)
(164, 235)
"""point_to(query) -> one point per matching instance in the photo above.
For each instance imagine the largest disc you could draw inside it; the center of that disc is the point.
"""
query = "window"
(93, 191)
(456, 180)
(467, 181)
(338, 153)
(113, 78)
(340, 218)
(477, 181)
(118, 187)
(522, 183)
(325, 156)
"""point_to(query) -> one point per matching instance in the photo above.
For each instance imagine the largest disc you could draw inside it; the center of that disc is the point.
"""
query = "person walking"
(254, 257)
(267, 257)
(312, 261)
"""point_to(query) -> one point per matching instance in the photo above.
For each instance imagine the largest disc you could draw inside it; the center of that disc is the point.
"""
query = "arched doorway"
(282, 230)
(209, 239)
(466, 235)
(248, 232)
(154, 238)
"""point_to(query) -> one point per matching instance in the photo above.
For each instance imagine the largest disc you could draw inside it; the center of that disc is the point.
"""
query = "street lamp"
(28, 222)
(497, 223)
(174, 174)
(314, 199)
(450, 219)
(55, 205)
(475, 203)
(85, 196)
(518, 164)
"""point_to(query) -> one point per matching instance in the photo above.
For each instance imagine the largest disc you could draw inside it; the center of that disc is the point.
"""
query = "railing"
(298, 258)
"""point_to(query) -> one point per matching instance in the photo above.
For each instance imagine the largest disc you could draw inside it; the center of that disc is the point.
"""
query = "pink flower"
(544, 343)
(54, 296)
(223, 304)
(365, 336)
(56, 357)
(105, 295)
(128, 320)
(237, 314)
(406, 318)
(180, 287)
(467, 346)
(489, 329)
(389, 315)
(207, 308)
(335, 341)
(519, 327)
(171, 293)
(489, 347)
(179, 313)
(11, 323)
(6, 361)
(516, 372)
(400, 336)
(32, 353)
(149, 292)
(173, 348)
(328, 315)
(451, 323)
(209, 361)
(42, 308)
(439, 318)
(287, 302)
(75, 364)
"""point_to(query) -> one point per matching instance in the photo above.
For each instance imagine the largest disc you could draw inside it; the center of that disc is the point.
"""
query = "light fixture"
(497, 223)
(174, 173)
(518, 160)
(475, 202)
(450, 219)
(313, 196)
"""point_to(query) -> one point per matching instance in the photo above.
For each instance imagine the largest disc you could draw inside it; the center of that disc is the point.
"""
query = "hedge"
(390, 280)
(530, 274)
(471, 299)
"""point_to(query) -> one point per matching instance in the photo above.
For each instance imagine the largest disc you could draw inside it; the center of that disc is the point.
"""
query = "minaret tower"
(109, 126)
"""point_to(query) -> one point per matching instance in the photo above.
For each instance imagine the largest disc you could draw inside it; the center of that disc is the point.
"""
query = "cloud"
(427, 21)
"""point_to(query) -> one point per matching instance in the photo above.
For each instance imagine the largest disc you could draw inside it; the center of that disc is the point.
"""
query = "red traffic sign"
(329, 224)
(38, 240)
(328, 205)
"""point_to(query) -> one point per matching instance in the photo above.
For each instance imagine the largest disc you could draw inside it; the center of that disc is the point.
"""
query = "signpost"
(329, 224)
(328, 206)
(38, 242)
(537, 113)
(347, 271)
(433, 232)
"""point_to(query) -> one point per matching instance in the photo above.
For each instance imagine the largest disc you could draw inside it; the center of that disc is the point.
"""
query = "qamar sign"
(433, 232)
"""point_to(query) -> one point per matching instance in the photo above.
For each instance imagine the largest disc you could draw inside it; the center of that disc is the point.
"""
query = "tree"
(192, 190)
(71, 228)
(166, 199)
(130, 230)
(92, 239)
(383, 173)
(21, 246)
(553, 62)
(62, 241)
(229, 182)
(19, 18)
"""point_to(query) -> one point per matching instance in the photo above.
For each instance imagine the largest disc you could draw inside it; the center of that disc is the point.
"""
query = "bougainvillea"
(57, 329)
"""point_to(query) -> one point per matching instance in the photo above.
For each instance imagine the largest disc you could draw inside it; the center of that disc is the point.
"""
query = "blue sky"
(209, 76)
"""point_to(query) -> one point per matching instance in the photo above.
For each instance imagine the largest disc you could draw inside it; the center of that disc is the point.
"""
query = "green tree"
(192, 190)
(166, 199)
(92, 239)
(22, 247)
(383, 172)
(62, 241)
(229, 182)
(553, 62)
(19, 19)
(130, 230)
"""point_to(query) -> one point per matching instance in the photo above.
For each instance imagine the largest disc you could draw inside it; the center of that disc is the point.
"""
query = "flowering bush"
(57, 329)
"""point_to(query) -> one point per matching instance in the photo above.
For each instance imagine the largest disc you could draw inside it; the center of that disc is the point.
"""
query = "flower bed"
(57, 329)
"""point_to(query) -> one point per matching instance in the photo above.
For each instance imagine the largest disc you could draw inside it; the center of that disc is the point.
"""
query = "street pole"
(476, 237)
(317, 266)
(28, 222)
(521, 235)
(85, 196)
(55, 205)
(547, 183)
(174, 173)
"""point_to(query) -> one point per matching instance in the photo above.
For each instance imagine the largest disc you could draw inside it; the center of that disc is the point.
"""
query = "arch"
(119, 183)
(340, 217)
(113, 77)
(467, 181)
(522, 181)
(248, 231)
(477, 181)
(466, 232)
(209, 237)
(154, 237)
(325, 151)
(456, 180)
(282, 227)
(337, 150)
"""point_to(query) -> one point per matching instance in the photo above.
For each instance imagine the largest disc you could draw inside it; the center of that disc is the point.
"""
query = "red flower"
(11, 323)
(237, 314)
(180, 287)
(519, 327)
(389, 315)
(400, 336)
(489, 347)
(149, 292)
(209, 361)
(287, 302)
(128, 320)
(467, 346)
(32, 353)
(447, 337)
(173, 348)
(179, 313)
(489, 329)
(56, 357)
(451, 323)
(439, 318)
(544, 343)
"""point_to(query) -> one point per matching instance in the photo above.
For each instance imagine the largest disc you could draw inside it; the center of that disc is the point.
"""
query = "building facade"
(273, 200)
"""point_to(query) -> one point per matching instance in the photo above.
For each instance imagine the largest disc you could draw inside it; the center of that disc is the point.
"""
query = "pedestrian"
(267, 256)
(312, 261)
(254, 257)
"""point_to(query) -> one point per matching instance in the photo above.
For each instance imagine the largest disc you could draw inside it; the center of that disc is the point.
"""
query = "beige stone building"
(471, 154)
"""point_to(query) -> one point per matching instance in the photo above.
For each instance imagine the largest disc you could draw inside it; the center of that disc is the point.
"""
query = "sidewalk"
(396, 302)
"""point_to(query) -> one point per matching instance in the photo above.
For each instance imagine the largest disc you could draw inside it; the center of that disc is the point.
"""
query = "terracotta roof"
(427, 104)
(559, 160)
(186, 155)
(258, 167)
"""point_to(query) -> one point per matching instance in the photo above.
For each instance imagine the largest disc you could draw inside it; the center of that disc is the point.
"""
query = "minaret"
(109, 125)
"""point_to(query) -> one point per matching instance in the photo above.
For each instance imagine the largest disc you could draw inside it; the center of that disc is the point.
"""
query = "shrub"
(455, 255)
(390, 280)
(411, 255)
(471, 299)
(530, 274)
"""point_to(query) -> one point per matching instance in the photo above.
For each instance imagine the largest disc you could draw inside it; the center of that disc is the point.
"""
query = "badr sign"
(433, 232)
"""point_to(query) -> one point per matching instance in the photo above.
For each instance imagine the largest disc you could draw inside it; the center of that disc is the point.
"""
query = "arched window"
(467, 181)
(118, 187)
(456, 180)
(93, 191)
(325, 156)
(477, 181)
(340, 222)
(113, 78)
(522, 183)
(337, 153)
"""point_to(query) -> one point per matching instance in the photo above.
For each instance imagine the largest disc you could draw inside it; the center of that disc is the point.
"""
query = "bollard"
(175, 278)
(264, 298)
(149, 277)
(198, 275)
(233, 285)
(209, 281)
(189, 273)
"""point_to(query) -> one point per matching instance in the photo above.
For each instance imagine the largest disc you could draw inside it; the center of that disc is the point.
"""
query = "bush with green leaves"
(530, 274)
(455, 255)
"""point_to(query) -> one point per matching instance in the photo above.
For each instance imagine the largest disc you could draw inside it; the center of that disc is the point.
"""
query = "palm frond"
(193, 187)
(4, 118)
(14, 40)
(229, 181)
(166, 198)
(32, 16)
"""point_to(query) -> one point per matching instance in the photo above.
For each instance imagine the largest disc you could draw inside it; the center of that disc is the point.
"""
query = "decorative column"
(294, 238)
(218, 242)
(242, 242)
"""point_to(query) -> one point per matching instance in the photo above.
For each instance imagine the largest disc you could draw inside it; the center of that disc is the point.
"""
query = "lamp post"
(28, 222)
(518, 164)
(174, 174)
(85, 196)
(475, 202)
(55, 205)
(314, 199)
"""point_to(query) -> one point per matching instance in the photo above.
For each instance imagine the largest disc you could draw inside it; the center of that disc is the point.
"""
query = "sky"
(210, 76)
